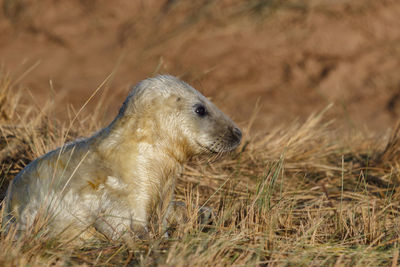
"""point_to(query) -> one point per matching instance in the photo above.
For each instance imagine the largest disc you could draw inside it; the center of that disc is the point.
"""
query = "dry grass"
(304, 194)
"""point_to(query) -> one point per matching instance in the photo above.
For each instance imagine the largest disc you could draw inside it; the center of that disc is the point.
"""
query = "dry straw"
(303, 194)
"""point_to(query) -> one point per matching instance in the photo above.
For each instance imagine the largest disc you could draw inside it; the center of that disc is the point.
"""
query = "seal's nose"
(237, 133)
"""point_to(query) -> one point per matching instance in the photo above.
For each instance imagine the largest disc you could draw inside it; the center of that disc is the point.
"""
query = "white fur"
(126, 172)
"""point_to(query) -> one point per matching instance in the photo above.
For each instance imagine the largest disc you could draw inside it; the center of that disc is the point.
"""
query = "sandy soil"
(293, 58)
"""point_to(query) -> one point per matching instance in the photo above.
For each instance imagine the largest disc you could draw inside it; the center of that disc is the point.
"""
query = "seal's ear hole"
(178, 99)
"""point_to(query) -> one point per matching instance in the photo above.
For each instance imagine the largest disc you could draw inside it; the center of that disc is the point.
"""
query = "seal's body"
(126, 172)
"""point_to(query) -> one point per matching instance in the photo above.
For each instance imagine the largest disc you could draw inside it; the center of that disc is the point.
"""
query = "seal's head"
(170, 109)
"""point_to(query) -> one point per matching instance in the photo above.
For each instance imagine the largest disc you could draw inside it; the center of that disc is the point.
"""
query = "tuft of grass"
(303, 194)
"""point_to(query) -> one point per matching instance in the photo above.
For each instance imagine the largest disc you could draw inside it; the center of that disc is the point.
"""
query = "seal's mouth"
(221, 149)
(208, 149)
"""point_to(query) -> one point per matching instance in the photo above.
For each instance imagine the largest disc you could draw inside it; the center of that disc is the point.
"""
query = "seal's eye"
(201, 110)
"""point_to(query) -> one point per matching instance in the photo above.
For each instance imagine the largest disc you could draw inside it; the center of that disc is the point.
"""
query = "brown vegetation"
(304, 192)
(301, 194)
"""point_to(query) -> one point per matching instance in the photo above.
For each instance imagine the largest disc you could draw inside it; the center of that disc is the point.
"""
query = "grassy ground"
(304, 194)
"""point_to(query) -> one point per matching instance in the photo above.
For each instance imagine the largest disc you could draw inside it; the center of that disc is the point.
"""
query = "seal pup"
(117, 178)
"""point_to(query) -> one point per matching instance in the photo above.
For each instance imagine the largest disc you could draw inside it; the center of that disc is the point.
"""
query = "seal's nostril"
(237, 133)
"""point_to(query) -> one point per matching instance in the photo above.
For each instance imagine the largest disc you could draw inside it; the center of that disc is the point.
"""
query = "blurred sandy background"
(293, 58)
